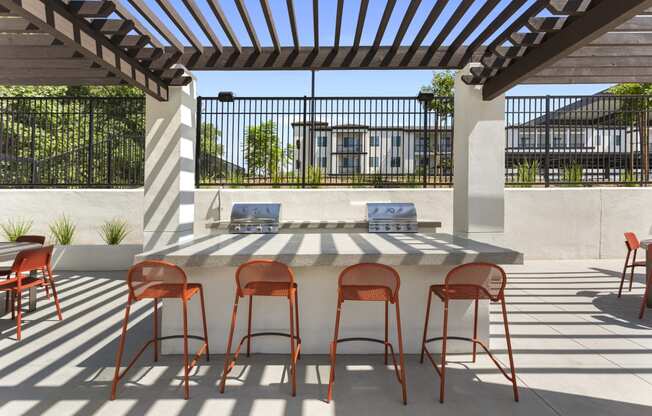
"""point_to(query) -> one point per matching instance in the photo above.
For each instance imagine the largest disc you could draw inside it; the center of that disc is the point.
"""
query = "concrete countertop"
(332, 249)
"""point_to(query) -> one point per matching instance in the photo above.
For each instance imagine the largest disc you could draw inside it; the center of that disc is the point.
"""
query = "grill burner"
(258, 218)
(400, 217)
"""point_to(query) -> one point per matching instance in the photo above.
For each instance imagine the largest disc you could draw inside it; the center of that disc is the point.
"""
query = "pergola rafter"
(535, 39)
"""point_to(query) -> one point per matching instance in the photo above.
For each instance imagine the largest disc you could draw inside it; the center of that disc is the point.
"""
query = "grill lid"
(392, 217)
(255, 217)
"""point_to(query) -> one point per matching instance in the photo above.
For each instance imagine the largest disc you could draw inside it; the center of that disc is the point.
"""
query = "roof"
(520, 41)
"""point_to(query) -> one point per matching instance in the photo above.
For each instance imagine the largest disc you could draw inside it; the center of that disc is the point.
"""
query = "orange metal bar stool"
(473, 281)
(265, 278)
(632, 244)
(370, 282)
(30, 261)
(154, 279)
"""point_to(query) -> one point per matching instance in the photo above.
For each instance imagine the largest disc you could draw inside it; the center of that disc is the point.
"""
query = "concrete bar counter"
(317, 258)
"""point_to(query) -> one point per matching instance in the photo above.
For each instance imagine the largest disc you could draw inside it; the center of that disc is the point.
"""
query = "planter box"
(95, 257)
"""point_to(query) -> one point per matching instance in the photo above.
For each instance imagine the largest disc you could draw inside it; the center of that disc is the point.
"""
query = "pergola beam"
(432, 17)
(203, 24)
(244, 15)
(338, 22)
(598, 20)
(271, 27)
(77, 34)
(178, 21)
(153, 20)
(405, 23)
(293, 24)
(95, 8)
(362, 17)
(224, 22)
(448, 27)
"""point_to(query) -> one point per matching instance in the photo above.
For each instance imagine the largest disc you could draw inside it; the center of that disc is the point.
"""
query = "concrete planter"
(95, 257)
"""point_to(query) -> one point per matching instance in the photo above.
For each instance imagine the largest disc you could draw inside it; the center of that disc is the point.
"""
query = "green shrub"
(628, 179)
(527, 172)
(63, 230)
(14, 229)
(113, 232)
(314, 176)
(572, 174)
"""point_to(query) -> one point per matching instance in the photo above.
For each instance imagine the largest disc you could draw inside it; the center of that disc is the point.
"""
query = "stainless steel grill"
(258, 218)
(392, 217)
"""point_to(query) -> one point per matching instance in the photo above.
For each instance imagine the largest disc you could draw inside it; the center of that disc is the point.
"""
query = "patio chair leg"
(19, 313)
(227, 358)
(155, 319)
(475, 329)
(45, 283)
(54, 294)
(386, 329)
(121, 347)
(293, 363)
(185, 350)
(296, 317)
(251, 306)
(443, 354)
(622, 278)
(203, 317)
(400, 351)
(509, 348)
(12, 300)
(425, 326)
(331, 378)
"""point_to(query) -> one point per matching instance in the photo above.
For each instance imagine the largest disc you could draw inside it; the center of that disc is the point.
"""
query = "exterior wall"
(567, 223)
(88, 208)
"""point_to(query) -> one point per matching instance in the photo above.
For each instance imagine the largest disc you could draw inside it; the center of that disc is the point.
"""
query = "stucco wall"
(560, 223)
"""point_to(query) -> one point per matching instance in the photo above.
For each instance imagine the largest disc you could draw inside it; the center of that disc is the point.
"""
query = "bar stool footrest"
(378, 341)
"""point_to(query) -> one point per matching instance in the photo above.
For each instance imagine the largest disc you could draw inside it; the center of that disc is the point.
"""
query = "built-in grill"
(256, 218)
(399, 217)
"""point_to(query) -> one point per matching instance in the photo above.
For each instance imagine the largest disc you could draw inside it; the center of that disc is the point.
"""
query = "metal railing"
(72, 141)
(324, 141)
(578, 140)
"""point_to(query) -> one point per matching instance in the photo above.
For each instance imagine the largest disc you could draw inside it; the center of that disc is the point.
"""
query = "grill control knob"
(236, 228)
(259, 229)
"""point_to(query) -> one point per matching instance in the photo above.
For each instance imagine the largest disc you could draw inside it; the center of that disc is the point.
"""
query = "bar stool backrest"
(488, 278)
(632, 241)
(263, 271)
(32, 259)
(36, 239)
(150, 273)
(371, 275)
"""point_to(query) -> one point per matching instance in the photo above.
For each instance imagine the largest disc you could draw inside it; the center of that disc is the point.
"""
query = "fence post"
(198, 143)
(91, 133)
(304, 141)
(546, 163)
(426, 143)
(32, 150)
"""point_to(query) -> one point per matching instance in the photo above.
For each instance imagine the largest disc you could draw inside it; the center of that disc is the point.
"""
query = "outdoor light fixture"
(225, 96)
(426, 94)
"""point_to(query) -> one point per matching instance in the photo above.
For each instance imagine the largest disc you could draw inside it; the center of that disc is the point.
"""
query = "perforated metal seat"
(473, 281)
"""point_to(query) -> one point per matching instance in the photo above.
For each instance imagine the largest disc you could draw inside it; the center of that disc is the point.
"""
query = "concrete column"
(479, 163)
(170, 167)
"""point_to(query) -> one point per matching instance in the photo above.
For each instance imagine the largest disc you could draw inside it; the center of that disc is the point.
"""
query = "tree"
(442, 86)
(636, 110)
(263, 152)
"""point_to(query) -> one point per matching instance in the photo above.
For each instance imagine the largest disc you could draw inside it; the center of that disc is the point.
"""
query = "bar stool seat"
(375, 283)
(264, 278)
(474, 282)
(155, 280)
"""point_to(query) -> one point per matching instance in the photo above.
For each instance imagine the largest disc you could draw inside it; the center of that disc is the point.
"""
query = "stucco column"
(479, 163)
(170, 167)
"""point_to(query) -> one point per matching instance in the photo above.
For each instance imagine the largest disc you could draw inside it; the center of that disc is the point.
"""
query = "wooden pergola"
(104, 42)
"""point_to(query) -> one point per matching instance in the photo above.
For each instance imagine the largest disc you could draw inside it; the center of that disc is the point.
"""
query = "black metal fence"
(72, 142)
(325, 141)
(578, 141)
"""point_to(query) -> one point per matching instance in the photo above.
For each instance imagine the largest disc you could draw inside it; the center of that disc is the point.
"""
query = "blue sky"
(297, 83)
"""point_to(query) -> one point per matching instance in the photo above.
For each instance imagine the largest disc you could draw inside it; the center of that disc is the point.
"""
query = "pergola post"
(170, 167)
(479, 160)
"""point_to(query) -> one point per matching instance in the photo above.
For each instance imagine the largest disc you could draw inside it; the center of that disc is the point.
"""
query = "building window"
(617, 141)
(396, 141)
(420, 145)
(423, 161)
(323, 162)
(526, 141)
(322, 141)
(396, 162)
(374, 141)
(557, 142)
(298, 164)
(373, 161)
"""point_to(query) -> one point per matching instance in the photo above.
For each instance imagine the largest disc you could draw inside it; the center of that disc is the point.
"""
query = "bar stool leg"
(19, 313)
(509, 348)
(227, 358)
(203, 317)
(185, 348)
(296, 317)
(425, 326)
(631, 276)
(54, 293)
(121, 347)
(443, 353)
(475, 329)
(622, 278)
(251, 305)
(45, 283)
(644, 300)
(334, 350)
(293, 362)
(386, 329)
(400, 351)
(155, 329)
